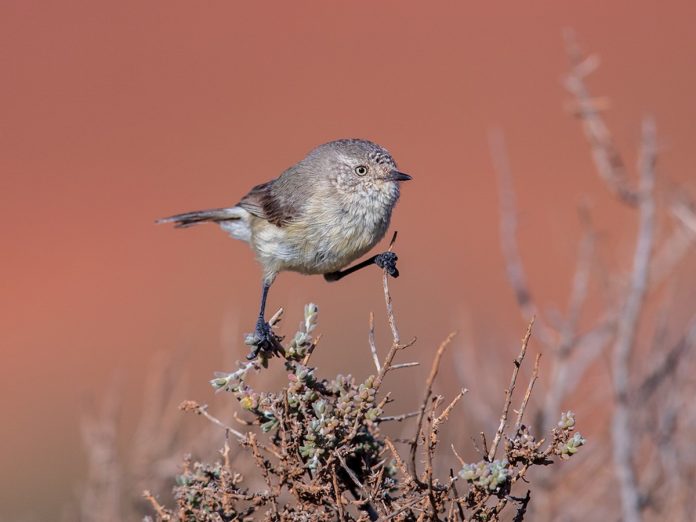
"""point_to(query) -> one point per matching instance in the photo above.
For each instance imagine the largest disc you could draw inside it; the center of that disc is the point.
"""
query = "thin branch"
(396, 338)
(371, 341)
(508, 238)
(387, 364)
(608, 162)
(455, 501)
(445, 413)
(398, 418)
(276, 317)
(351, 474)
(402, 509)
(428, 392)
(202, 409)
(686, 216)
(563, 370)
(508, 393)
(672, 250)
(263, 465)
(627, 327)
(337, 493)
(429, 446)
(527, 394)
(581, 277)
(404, 365)
(159, 509)
(310, 350)
(589, 346)
(397, 459)
(667, 365)
(459, 458)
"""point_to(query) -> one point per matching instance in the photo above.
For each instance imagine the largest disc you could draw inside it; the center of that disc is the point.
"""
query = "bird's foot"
(264, 341)
(387, 261)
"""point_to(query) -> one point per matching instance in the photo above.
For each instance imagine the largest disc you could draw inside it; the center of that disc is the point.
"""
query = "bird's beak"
(395, 175)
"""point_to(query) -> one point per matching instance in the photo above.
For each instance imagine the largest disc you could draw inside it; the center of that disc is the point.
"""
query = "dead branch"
(627, 328)
(508, 238)
(608, 161)
(159, 509)
(202, 409)
(667, 365)
(508, 393)
(426, 396)
(528, 393)
(371, 341)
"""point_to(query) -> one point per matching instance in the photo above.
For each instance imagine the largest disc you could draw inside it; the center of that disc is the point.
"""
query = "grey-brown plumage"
(316, 218)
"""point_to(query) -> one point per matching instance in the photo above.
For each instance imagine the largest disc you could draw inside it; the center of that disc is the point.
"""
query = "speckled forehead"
(382, 157)
(352, 151)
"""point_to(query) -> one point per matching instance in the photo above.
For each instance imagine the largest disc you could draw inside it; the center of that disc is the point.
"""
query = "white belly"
(316, 246)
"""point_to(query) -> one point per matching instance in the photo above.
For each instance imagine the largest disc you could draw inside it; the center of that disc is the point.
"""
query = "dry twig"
(428, 392)
(528, 393)
(627, 328)
(508, 393)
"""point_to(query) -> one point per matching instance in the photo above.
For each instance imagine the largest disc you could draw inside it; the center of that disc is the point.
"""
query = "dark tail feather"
(189, 219)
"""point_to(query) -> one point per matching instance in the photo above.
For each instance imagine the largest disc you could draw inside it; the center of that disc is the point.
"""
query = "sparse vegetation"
(318, 447)
(315, 447)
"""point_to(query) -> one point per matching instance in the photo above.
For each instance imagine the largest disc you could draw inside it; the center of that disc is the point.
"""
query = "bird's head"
(360, 169)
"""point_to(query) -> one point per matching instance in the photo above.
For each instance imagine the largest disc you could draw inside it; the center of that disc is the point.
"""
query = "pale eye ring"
(361, 170)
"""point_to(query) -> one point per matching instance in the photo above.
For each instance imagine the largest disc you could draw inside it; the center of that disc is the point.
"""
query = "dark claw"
(387, 261)
(264, 341)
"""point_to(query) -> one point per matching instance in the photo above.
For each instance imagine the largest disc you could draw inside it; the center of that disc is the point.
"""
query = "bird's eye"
(361, 170)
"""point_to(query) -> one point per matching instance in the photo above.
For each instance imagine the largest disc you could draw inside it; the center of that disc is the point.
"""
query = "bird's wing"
(266, 203)
(282, 200)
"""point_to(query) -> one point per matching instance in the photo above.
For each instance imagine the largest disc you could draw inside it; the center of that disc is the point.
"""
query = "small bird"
(317, 217)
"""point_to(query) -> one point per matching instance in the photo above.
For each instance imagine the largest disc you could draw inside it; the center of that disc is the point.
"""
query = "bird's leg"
(263, 339)
(385, 260)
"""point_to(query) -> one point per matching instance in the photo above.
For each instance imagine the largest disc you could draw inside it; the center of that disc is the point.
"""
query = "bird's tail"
(215, 215)
(233, 220)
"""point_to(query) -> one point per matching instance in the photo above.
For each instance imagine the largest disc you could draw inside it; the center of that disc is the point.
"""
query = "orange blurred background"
(117, 113)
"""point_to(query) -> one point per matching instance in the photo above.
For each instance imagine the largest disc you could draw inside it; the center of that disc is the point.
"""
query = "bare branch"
(396, 339)
(508, 393)
(667, 365)
(562, 370)
(159, 509)
(686, 215)
(404, 365)
(263, 466)
(424, 403)
(445, 413)
(508, 238)
(608, 162)
(371, 341)
(581, 277)
(459, 458)
(390, 312)
(680, 242)
(397, 459)
(627, 329)
(202, 409)
(339, 498)
(528, 393)
(398, 418)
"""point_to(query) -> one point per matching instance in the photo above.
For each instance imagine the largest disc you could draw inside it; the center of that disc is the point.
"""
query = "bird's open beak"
(395, 175)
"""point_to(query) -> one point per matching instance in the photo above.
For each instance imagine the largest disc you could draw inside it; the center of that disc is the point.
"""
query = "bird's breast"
(328, 236)
(336, 237)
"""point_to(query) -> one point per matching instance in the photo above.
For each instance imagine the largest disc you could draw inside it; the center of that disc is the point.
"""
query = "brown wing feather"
(263, 203)
(282, 200)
